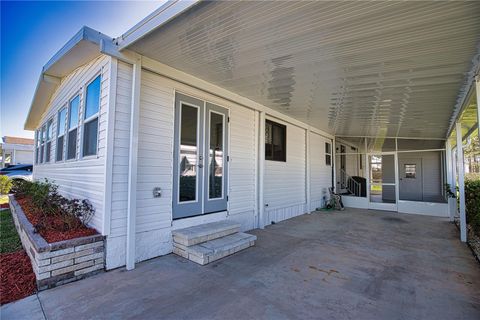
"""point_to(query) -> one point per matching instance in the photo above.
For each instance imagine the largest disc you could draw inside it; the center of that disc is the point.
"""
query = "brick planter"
(59, 262)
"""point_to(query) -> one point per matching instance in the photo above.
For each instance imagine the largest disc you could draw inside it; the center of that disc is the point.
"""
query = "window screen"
(275, 141)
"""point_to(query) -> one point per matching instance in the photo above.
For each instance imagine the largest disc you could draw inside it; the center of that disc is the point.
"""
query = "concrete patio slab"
(356, 264)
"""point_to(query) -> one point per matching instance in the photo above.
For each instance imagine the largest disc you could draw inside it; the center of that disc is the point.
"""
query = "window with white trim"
(42, 143)
(72, 127)
(48, 143)
(37, 144)
(90, 124)
(275, 141)
(61, 119)
(328, 154)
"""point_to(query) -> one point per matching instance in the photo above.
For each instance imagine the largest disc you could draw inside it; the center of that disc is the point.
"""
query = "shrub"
(44, 195)
(5, 184)
(472, 203)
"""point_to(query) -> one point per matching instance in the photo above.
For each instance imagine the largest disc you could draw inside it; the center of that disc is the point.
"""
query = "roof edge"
(49, 80)
(153, 21)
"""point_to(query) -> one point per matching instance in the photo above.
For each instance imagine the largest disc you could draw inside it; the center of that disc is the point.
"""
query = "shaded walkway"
(356, 264)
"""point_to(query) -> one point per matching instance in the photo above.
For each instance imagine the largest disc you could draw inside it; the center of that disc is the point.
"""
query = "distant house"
(251, 111)
(16, 150)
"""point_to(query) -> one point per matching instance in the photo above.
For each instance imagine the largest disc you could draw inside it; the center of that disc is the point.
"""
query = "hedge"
(472, 204)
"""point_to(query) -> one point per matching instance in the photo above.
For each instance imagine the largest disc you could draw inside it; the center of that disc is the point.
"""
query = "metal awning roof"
(349, 68)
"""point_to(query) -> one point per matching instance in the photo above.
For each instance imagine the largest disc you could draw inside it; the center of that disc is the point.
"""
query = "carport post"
(261, 170)
(477, 89)
(450, 178)
(461, 182)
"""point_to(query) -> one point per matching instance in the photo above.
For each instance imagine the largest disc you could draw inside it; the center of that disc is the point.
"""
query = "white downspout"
(261, 170)
(461, 183)
(334, 165)
(132, 163)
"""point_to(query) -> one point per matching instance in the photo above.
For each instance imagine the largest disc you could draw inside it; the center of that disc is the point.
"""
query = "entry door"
(382, 187)
(410, 179)
(200, 158)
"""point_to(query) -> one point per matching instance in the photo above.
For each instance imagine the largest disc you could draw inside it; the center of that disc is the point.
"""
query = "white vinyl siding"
(243, 158)
(320, 173)
(83, 179)
(285, 194)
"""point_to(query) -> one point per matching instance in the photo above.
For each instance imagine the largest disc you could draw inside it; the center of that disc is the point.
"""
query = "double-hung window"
(328, 154)
(72, 128)
(48, 142)
(37, 144)
(42, 143)
(275, 141)
(90, 124)
(62, 114)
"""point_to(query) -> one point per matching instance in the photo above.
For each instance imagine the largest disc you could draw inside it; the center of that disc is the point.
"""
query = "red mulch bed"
(56, 231)
(17, 279)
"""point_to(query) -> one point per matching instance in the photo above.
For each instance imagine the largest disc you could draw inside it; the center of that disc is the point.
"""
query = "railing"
(347, 182)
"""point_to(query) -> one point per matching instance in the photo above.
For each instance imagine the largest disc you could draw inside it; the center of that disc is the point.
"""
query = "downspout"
(261, 170)
(132, 163)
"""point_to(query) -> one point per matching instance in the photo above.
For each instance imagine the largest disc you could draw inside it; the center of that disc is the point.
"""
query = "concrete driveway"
(356, 264)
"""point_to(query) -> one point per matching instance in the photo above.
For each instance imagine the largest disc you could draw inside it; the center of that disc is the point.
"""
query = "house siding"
(285, 186)
(79, 178)
(320, 173)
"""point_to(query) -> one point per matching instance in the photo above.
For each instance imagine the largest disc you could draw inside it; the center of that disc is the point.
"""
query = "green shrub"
(44, 195)
(472, 203)
(5, 184)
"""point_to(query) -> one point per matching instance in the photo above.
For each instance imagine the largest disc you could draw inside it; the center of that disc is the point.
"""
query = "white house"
(16, 150)
(250, 111)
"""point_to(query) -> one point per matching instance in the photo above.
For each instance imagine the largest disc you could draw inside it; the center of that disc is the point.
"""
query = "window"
(72, 128)
(275, 141)
(90, 126)
(42, 144)
(48, 140)
(62, 114)
(410, 171)
(328, 154)
(37, 144)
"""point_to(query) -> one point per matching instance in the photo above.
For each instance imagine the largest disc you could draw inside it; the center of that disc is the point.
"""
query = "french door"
(200, 157)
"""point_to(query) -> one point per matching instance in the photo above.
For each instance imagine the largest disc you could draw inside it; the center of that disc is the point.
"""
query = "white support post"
(477, 89)
(132, 164)
(450, 179)
(334, 165)
(261, 170)
(307, 170)
(461, 183)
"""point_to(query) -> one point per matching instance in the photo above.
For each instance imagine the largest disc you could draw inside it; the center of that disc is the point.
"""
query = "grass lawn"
(9, 239)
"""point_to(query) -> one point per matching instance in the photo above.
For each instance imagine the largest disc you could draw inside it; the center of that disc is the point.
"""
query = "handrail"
(351, 185)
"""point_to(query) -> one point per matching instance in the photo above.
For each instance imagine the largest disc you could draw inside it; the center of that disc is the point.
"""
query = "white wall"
(285, 193)
(320, 173)
(155, 166)
(80, 178)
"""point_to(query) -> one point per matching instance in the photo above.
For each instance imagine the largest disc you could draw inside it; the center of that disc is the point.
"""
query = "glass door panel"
(188, 156)
(215, 199)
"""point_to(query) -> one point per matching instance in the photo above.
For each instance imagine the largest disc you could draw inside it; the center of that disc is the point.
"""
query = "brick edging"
(59, 262)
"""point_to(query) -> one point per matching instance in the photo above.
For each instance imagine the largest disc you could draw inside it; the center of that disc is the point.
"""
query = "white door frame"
(379, 205)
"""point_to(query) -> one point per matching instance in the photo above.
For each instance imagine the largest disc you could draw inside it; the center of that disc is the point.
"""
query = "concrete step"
(204, 232)
(212, 250)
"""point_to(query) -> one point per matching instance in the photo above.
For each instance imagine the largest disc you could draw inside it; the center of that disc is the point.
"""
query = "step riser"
(214, 250)
(180, 239)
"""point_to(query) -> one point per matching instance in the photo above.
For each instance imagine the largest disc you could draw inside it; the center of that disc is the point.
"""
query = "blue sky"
(32, 32)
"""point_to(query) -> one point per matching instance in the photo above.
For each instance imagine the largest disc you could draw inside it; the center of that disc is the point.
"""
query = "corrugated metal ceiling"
(350, 68)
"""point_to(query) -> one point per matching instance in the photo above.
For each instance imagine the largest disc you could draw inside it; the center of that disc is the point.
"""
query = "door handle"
(200, 165)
